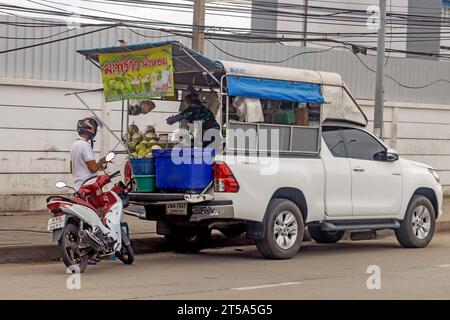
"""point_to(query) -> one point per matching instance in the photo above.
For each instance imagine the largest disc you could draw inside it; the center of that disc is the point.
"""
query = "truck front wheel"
(284, 230)
(417, 228)
(188, 239)
(320, 236)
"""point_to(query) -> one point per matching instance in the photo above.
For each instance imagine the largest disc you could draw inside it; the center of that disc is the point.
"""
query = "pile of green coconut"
(141, 144)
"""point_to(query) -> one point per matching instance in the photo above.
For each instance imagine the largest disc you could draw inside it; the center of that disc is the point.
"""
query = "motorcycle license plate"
(56, 223)
(177, 208)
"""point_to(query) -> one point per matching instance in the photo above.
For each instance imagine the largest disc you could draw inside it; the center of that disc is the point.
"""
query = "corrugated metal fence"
(60, 62)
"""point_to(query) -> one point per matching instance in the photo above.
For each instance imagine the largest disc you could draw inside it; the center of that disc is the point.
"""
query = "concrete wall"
(37, 128)
(419, 132)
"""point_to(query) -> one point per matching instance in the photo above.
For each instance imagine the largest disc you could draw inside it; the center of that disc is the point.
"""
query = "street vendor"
(194, 112)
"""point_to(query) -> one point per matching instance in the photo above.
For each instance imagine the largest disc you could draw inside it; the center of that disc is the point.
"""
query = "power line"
(398, 82)
(270, 61)
(264, 11)
(254, 36)
(254, 31)
(54, 41)
(90, 17)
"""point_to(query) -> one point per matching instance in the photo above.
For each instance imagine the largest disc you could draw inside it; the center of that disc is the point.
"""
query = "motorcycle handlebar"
(115, 174)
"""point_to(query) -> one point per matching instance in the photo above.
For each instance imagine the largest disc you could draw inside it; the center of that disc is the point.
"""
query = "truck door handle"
(358, 169)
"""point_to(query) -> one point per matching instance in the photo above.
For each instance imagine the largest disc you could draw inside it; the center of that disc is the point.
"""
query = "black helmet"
(87, 126)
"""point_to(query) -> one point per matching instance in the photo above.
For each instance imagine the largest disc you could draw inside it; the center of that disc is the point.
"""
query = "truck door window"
(362, 145)
(334, 141)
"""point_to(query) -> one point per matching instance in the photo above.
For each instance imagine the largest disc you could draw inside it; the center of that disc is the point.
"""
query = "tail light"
(127, 172)
(55, 207)
(224, 180)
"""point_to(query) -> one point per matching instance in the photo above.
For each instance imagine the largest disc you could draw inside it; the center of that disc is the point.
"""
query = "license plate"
(177, 208)
(56, 223)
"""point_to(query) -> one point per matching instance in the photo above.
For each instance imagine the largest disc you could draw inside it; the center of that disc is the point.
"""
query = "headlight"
(435, 175)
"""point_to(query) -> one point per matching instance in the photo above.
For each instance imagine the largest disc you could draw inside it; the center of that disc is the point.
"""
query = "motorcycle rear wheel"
(70, 253)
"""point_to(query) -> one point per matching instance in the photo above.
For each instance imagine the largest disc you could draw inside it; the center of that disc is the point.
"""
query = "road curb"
(46, 253)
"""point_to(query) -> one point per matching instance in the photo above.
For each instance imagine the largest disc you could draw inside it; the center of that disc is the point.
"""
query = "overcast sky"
(166, 15)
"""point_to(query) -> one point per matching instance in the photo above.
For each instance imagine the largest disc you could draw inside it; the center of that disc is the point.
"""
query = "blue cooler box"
(184, 168)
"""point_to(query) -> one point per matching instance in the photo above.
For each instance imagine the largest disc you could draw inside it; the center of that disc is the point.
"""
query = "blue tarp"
(446, 2)
(273, 89)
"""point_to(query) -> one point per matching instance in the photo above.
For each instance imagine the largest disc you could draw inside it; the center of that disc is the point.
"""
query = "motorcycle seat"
(72, 200)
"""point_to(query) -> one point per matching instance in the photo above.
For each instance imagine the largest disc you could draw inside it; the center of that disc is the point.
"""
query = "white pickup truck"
(332, 176)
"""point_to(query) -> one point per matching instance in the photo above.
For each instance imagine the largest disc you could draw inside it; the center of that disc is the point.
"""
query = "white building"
(422, 36)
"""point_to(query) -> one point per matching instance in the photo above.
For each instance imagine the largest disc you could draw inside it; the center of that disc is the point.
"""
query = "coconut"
(137, 138)
(156, 147)
(150, 136)
(150, 128)
(151, 143)
(140, 146)
(146, 106)
(126, 137)
(134, 110)
(142, 153)
(132, 129)
(132, 146)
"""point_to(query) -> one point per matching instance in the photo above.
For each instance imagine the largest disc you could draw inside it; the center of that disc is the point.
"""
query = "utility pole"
(198, 31)
(379, 89)
(305, 23)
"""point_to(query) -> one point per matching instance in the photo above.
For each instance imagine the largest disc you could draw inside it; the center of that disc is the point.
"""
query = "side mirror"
(391, 155)
(61, 184)
(110, 157)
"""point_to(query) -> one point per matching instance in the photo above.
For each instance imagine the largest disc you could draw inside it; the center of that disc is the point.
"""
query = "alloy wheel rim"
(285, 230)
(421, 222)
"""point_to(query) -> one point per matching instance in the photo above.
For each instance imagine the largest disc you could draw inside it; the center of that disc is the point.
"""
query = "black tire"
(71, 256)
(126, 254)
(411, 232)
(268, 246)
(320, 236)
(188, 239)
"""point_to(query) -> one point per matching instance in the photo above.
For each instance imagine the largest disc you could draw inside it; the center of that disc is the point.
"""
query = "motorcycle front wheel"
(70, 253)
(126, 254)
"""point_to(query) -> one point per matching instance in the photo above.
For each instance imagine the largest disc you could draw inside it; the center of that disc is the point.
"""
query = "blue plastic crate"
(143, 166)
(188, 169)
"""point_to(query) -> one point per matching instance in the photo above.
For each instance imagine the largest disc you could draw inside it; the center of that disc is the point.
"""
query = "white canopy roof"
(281, 73)
(340, 104)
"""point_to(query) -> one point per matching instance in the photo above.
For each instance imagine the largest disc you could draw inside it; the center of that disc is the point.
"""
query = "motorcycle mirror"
(61, 184)
(110, 156)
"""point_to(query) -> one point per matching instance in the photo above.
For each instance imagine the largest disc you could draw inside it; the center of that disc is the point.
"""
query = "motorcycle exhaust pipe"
(91, 240)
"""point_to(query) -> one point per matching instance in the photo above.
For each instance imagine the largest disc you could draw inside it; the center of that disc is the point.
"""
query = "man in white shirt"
(83, 165)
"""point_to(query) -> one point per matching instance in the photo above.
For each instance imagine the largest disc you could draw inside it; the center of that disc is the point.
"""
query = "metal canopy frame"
(186, 62)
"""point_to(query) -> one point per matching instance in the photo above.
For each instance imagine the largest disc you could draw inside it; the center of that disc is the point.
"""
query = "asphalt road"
(317, 272)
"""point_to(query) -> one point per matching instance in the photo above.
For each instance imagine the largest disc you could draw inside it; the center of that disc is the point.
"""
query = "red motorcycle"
(88, 224)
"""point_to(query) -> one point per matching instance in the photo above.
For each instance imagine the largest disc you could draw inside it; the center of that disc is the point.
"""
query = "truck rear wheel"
(284, 230)
(320, 236)
(417, 228)
(188, 239)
